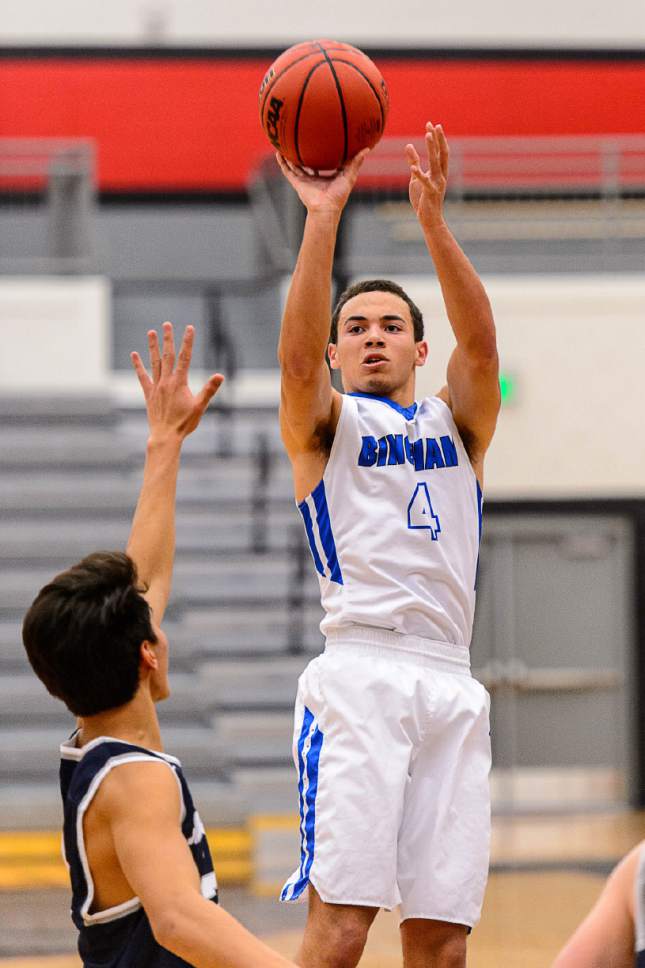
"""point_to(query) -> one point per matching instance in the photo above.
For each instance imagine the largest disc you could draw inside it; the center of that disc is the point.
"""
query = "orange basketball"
(321, 102)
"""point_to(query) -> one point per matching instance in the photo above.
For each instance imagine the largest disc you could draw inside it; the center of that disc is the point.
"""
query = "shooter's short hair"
(376, 285)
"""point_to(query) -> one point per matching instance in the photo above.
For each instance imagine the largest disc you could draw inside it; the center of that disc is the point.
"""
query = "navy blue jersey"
(121, 936)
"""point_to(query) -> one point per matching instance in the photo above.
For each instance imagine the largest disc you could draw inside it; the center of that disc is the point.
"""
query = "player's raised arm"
(473, 379)
(173, 413)
(139, 803)
(307, 396)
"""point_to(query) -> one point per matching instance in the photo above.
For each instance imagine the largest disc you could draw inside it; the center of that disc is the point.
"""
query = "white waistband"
(367, 640)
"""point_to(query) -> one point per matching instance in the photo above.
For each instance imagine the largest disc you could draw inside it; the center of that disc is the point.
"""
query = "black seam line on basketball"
(312, 53)
(299, 109)
(339, 60)
(342, 103)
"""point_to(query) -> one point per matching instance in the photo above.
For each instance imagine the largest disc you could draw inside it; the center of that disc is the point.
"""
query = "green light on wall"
(508, 388)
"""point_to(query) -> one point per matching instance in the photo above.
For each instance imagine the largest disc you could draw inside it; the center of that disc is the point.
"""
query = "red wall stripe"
(193, 125)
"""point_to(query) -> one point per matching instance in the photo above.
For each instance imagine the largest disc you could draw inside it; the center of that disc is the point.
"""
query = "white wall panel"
(576, 346)
(54, 334)
(378, 22)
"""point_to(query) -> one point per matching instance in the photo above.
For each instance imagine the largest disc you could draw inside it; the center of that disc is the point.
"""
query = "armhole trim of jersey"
(347, 402)
(68, 752)
(454, 424)
(133, 903)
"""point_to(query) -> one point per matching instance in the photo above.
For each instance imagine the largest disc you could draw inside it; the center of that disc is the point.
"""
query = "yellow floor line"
(32, 859)
(30, 842)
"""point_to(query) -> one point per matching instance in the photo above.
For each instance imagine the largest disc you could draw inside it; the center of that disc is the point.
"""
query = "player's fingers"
(282, 164)
(444, 150)
(421, 176)
(432, 149)
(288, 168)
(185, 353)
(208, 391)
(412, 156)
(168, 350)
(155, 356)
(356, 162)
(299, 172)
(142, 374)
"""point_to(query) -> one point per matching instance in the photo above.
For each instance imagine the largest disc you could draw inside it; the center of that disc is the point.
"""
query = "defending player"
(613, 933)
(143, 886)
(391, 734)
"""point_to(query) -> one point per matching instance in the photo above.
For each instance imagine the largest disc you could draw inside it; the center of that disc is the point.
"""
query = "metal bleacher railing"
(601, 165)
(56, 177)
(508, 197)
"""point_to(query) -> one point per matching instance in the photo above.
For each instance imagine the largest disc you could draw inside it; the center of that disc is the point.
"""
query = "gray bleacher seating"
(255, 683)
(33, 493)
(27, 753)
(270, 789)
(253, 739)
(69, 476)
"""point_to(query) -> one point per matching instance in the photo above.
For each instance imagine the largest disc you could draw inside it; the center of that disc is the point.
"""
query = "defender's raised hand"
(428, 188)
(171, 405)
(323, 194)
(173, 413)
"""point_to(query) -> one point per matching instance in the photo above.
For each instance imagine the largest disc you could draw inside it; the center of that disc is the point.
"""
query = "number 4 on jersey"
(421, 513)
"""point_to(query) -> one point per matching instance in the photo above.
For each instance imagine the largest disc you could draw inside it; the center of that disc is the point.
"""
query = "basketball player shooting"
(391, 737)
(143, 884)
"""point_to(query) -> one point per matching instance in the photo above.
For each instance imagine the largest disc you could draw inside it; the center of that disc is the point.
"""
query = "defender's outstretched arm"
(173, 413)
(473, 371)
(307, 397)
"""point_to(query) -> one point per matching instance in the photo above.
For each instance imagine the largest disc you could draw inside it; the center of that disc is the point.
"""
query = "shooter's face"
(376, 351)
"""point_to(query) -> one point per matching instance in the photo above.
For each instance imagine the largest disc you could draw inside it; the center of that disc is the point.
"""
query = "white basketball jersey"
(394, 525)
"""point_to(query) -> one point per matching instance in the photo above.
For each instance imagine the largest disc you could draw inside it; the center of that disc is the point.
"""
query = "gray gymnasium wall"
(187, 241)
(188, 264)
(178, 262)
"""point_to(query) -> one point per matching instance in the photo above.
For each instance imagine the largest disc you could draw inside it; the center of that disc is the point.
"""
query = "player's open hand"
(428, 188)
(323, 194)
(173, 410)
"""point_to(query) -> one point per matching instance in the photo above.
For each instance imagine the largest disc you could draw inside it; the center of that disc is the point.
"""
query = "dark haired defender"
(391, 737)
(144, 893)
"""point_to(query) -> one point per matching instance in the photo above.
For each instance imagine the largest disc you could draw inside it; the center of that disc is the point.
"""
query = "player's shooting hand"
(428, 188)
(318, 194)
(173, 410)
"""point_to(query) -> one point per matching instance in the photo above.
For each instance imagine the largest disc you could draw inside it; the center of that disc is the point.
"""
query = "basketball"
(321, 102)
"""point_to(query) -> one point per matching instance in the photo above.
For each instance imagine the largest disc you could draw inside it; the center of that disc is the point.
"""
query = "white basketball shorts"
(392, 749)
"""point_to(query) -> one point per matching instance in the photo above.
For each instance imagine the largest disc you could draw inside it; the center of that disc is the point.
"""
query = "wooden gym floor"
(546, 873)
